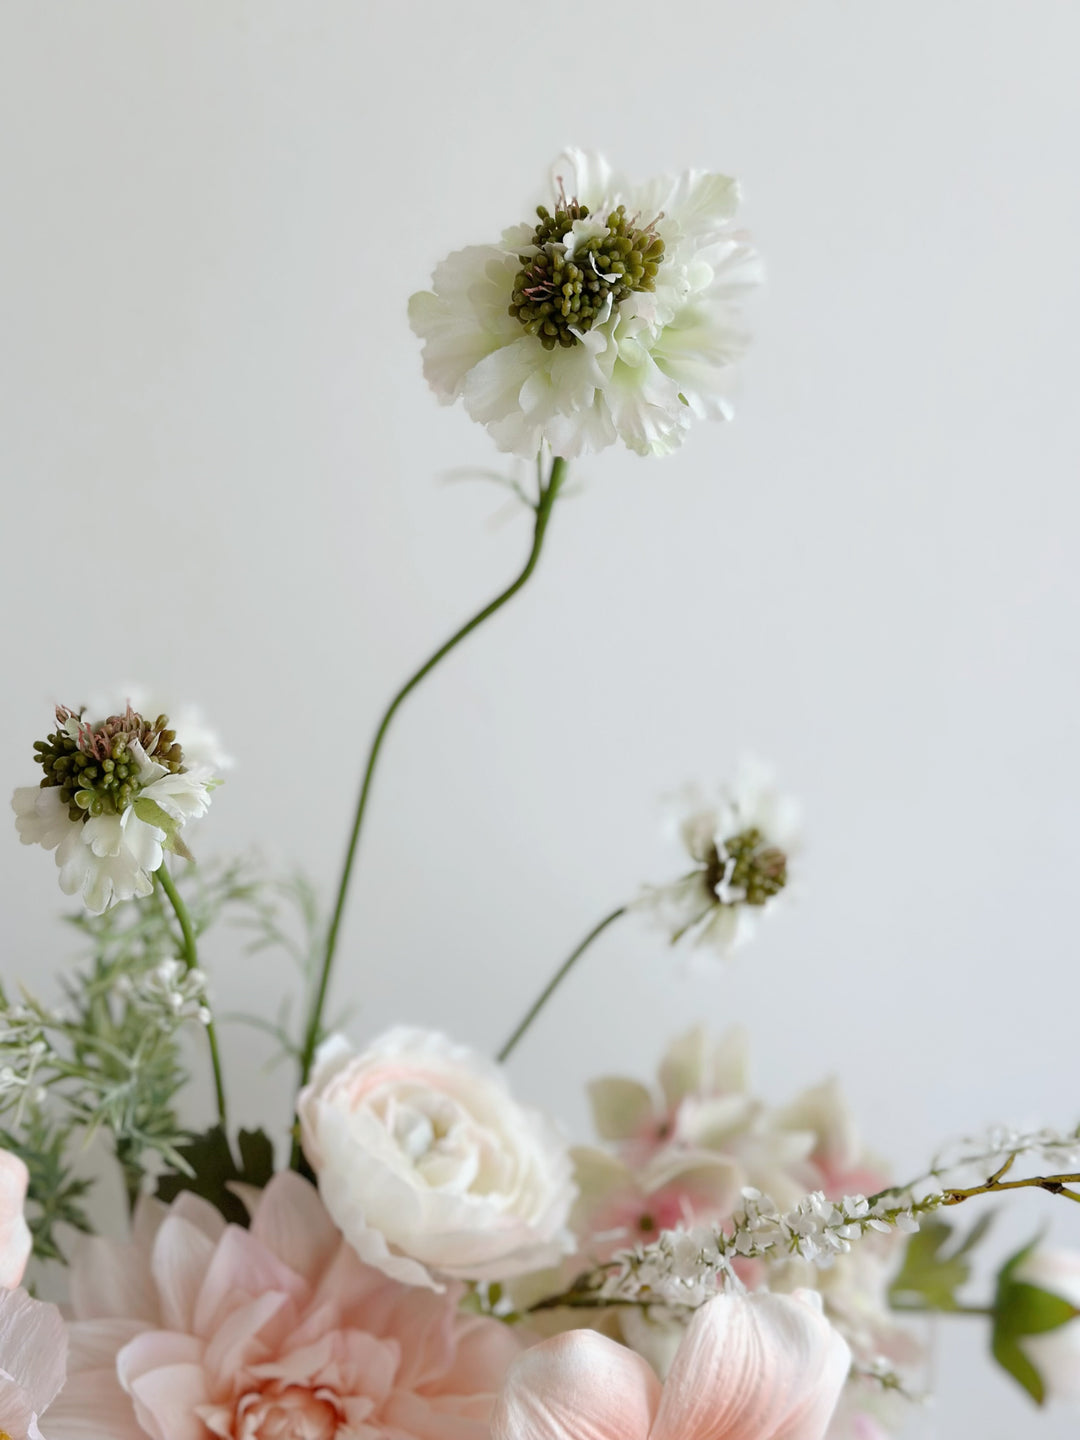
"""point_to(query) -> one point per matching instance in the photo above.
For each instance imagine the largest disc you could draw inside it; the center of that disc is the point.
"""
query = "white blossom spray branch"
(684, 1268)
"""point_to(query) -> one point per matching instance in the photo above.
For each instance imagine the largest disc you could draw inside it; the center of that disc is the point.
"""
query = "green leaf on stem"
(936, 1266)
(1021, 1309)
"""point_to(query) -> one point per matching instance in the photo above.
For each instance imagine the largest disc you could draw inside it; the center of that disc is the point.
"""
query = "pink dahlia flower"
(198, 1329)
(758, 1367)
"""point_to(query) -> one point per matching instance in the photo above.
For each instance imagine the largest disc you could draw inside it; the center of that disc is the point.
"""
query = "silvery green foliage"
(106, 1058)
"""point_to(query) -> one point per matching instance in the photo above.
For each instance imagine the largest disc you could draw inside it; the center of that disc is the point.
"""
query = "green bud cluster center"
(97, 773)
(553, 297)
(760, 870)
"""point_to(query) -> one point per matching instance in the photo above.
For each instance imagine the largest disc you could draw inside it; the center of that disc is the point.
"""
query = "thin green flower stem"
(555, 981)
(190, 956)
(544, 505)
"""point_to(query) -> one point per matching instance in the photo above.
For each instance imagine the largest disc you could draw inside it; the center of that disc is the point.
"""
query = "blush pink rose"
(15, 1242)
(429, 1165)
(198, 1329)
(757, 1367)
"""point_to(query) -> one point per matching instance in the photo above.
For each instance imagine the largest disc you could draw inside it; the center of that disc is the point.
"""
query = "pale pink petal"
(237, 1338)
(15, 1241)
(200, 1213)
(578, 1386)
(166, 1402)
(93, 1344)
(112, 1280)
(241, 1268)
(33, 1346)
(483, 1356)
(620, 1108)
(292, 1221)
(16, 1412)
(93, 1406)
(757, 1367)
(182, 1255)
(418, 1418)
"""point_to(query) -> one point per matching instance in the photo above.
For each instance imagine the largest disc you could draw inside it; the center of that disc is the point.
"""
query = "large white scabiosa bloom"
(742, 841)
(614, 317)
(114, 797)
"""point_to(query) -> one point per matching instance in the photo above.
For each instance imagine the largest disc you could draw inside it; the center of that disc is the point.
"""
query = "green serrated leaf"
(931, 1275)
(214, 1168)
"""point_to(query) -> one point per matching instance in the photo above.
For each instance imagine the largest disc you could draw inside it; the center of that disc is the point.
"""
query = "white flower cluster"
(684, 1268)
(742, 840)
(167, 994)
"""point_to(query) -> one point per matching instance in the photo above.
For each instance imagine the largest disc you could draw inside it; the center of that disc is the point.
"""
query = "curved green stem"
(190, 956)
(555, 981)
(546, 501)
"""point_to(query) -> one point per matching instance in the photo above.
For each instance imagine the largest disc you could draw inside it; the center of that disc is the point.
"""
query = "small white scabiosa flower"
(115, 794)
(614, 317)
(742, 841)
(429, 1165)
(202, 745)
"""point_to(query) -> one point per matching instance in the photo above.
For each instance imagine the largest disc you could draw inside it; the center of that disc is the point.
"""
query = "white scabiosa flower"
(202, 745)
(429, 1165)
(615, 317)
(742, 841)
(114, 797)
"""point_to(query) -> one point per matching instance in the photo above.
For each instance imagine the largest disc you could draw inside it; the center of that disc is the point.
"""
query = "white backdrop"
(221, 473)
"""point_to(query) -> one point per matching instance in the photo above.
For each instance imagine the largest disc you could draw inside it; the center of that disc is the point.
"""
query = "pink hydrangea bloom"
(198, 1329)
(758, 1367)
(15, 1240)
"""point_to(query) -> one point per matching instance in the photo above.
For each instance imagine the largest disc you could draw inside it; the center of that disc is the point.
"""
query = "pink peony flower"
(33, 1353)
(759, 1367)
(198, 1329)
(15, 1242)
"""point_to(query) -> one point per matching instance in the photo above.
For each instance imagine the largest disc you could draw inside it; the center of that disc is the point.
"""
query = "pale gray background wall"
(220, 469)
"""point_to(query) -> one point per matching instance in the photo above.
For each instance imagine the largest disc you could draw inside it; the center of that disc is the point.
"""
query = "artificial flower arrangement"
(414, 1254)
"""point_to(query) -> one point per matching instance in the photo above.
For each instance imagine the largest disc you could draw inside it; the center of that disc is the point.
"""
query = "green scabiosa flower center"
(575, 277)
(95, 767)
(747, 864)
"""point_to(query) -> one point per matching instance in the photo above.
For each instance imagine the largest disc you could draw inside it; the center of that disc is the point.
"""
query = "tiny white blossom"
(742, 841)
(614, 318)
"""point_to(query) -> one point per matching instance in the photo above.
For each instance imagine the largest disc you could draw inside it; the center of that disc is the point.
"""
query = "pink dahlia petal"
(758, 1367)
(578, 1386)
(291, 1221)
(167, 1401)
(240, 1268)
(182, 1255)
